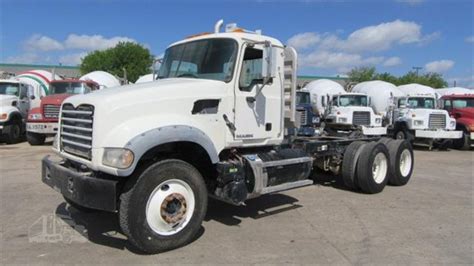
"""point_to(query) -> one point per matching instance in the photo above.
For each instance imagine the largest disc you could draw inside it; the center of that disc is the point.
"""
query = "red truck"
(42, 121)
(461, 107)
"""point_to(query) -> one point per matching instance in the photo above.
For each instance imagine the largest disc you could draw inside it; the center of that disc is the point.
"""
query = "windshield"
(302, 98)
(203, 59)
(463, 103)
(68, 88)
(352, 100)
(9, 89)
(418, 102)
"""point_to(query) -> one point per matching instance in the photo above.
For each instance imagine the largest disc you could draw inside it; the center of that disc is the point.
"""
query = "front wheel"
(12, 132)
(464, 143)
(35, 138)
(163, 208)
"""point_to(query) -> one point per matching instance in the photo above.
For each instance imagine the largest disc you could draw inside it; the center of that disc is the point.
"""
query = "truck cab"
(307, 119)
(42, 121)
(350, 111)
(461, 108)
(15, 98)
(417, 116)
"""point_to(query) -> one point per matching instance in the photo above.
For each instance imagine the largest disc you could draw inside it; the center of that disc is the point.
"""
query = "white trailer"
(154, 152)
(342, 111)
(411, 112)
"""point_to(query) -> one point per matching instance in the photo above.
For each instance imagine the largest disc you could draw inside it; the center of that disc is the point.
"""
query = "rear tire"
(402, 162)
(163, 207)
(12, 132)
(373, 167)
(464, 143)
(349, 164)
(35, 139)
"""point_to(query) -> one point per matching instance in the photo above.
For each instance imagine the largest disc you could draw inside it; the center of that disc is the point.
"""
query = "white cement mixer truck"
(410, 112)
(343, 111)
(43, 120)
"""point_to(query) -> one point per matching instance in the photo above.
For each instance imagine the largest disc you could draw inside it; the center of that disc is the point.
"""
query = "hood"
(55, 99)
(6, 100)
(467, 112)
(163, 89)
(427, 112)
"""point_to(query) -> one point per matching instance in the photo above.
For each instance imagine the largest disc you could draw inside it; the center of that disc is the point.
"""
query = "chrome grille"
(361, 118)
(303, 117)
(76, 130)
(51, 110)
(437, 121)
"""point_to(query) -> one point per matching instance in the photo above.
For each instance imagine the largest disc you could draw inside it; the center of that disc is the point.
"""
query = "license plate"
(33, 126)
(315, 119)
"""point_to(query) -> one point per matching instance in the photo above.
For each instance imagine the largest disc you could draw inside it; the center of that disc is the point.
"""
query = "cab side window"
(447, 105)
(23, 91)
(251, 69)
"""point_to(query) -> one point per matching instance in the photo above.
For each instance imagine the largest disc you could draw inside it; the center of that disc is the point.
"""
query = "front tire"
(12, 132)
(464, 143)
(164, 206)
(35, 139)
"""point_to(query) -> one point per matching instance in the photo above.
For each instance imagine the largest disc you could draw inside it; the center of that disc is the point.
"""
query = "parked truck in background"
(307, 119)
(213, 124)
(43, 120)
(411, 112)
(461, 108)
(15, 100)
(344, 112)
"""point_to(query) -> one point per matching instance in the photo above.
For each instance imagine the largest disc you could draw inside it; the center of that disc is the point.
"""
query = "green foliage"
(434, 80)
(135, 58)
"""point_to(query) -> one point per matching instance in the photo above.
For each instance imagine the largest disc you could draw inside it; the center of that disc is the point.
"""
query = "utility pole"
(417, 68)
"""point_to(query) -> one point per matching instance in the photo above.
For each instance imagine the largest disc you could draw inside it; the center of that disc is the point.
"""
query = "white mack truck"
(411, 112)
(344, 112)
(213, 124)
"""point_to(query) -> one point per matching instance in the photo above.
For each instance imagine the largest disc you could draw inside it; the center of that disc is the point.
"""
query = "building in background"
(7, 70)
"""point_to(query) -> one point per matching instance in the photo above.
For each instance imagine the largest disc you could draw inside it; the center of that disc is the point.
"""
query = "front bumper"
(374, 131)
(42, 128)
(438, 134)
(85, 189)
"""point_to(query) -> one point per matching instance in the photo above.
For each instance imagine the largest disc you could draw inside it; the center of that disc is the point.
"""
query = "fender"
(142, 143)
(12, 112)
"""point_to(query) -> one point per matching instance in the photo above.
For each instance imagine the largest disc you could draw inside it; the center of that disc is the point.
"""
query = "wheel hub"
(173, 208)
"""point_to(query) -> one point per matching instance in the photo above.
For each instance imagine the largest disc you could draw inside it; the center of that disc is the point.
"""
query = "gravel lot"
(428, 221)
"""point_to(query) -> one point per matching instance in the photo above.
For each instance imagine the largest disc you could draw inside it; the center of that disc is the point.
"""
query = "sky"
(331, 37)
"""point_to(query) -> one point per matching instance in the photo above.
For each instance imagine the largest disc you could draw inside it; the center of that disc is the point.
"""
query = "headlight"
(378, 120)
(35, 116)
(342, 119)
(452, 123)
(418, 122)
(4, 116)
(117, 157)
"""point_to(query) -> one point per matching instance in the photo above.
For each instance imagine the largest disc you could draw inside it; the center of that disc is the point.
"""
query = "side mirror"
(369, 101)
(269, 65)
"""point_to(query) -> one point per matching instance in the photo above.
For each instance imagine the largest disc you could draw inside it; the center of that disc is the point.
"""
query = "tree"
(135, 58)
(360, 74)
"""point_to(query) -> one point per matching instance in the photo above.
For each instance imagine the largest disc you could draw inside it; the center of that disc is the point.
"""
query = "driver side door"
(258, 110)
(24, 100)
